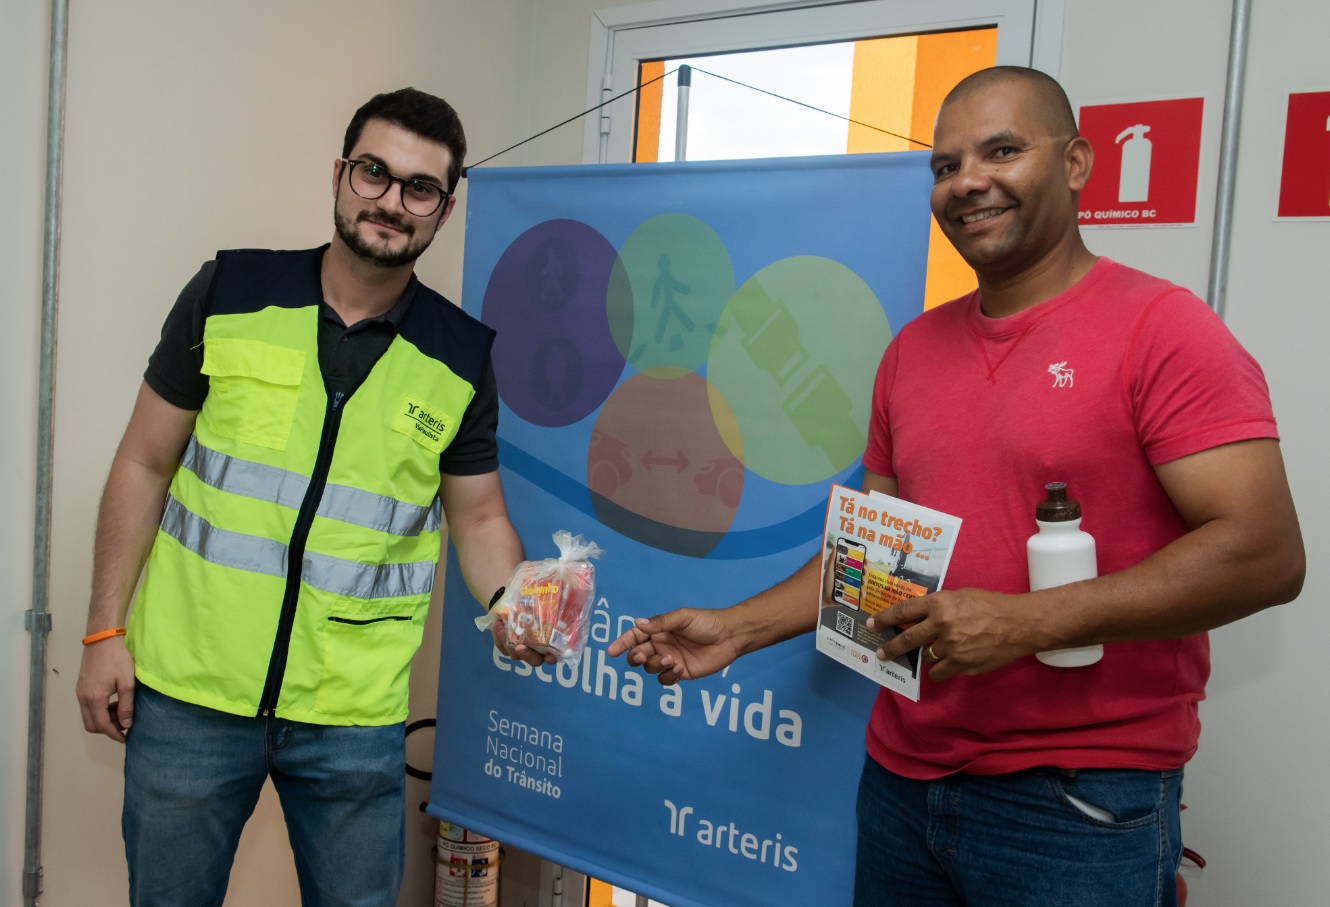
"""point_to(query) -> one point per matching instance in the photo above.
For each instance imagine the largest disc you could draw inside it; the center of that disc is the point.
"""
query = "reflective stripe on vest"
(340, 502)
(319, 571)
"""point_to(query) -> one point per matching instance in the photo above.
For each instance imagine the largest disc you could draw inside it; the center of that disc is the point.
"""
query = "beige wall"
(23, 53)
(193, 127)
(1256, 794)
(1257, 791)
(1194, 31)
(560, 90)
(1258, 786)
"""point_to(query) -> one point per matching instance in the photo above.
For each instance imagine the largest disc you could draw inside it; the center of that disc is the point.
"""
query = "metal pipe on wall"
(39, 618)
(1220, 248)
(681, 114)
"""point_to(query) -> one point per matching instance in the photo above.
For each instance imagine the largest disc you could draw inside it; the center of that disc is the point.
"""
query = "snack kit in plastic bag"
(547, 604)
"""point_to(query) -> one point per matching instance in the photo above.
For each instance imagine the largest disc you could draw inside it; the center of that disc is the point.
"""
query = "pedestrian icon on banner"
(1134, 175)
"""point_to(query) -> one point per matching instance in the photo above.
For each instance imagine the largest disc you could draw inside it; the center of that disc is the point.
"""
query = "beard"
(378, 253)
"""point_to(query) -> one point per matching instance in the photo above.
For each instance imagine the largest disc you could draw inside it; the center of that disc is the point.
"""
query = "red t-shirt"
(972, 416)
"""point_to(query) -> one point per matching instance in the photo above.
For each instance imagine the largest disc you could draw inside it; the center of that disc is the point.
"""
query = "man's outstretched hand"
(683, 644)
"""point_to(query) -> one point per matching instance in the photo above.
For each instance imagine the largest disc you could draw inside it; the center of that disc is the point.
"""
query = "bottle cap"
(1057, 509)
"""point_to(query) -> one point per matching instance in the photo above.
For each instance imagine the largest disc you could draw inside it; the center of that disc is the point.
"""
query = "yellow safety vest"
(292, 570)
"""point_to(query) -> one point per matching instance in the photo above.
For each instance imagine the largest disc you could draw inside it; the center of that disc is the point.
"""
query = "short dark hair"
(1054, 108)
(424, 114)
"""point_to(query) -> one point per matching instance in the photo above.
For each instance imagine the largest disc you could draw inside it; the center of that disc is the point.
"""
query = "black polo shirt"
(346, 355)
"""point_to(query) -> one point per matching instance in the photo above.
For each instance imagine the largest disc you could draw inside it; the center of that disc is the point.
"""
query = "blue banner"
(685, 358)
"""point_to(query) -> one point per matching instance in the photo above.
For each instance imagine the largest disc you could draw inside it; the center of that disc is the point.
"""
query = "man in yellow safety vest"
(304, 425)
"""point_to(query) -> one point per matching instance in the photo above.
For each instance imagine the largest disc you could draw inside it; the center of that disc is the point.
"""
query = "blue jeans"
(1019, 840)
(193, 775)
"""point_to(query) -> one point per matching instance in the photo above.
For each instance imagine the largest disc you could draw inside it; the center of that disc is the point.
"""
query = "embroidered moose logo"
(1062, 376)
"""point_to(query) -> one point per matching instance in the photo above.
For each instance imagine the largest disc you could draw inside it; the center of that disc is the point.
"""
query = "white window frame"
(1029, 34)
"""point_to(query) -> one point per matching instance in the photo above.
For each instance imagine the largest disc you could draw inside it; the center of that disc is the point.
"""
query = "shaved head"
(1051, 105)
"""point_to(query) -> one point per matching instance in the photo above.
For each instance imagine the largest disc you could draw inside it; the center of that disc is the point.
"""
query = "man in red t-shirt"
(1012, 781)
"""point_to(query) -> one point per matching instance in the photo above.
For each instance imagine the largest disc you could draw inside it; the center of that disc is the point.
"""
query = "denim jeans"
(1019, 840)
(193, 775)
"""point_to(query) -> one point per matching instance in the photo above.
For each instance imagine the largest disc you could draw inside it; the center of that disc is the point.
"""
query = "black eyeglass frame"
(351, 163)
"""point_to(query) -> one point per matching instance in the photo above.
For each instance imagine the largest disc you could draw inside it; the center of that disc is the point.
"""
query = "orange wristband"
(104, 634)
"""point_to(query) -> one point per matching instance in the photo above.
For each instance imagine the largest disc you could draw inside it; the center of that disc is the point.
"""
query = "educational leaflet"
(878, 550)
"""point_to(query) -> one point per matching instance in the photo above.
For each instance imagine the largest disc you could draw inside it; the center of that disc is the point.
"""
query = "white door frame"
(623, 35)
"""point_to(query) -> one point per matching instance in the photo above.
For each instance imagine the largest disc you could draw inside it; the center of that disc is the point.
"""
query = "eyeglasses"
(372, 181)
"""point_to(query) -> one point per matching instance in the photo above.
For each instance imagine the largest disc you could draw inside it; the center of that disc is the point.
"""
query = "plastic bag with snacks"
(547, 604)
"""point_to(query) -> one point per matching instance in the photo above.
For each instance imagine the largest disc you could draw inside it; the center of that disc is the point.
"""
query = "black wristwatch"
(494, 599)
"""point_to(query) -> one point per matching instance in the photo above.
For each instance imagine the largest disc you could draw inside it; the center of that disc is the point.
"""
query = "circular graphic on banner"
(555, 358)
(793, 364)
(671, 280)
(658, 468)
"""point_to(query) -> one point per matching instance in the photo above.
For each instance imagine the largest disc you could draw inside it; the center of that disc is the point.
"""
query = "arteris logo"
(425, 424)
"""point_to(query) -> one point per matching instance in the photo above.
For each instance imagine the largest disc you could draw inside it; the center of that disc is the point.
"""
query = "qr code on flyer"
(845, 625)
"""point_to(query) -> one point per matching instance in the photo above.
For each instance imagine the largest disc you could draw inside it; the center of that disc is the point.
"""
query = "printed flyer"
(878, 550)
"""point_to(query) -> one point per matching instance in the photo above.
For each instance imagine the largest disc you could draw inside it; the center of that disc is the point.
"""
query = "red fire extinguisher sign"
(1146, 162)
(1304, 181)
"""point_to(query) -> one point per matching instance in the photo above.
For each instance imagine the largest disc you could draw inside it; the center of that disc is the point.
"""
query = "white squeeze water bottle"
(1059, 553)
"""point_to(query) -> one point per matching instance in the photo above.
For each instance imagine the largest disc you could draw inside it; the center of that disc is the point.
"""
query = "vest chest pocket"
(253, 388)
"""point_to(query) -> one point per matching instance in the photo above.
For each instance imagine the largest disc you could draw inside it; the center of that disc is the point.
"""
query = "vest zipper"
(272, 687)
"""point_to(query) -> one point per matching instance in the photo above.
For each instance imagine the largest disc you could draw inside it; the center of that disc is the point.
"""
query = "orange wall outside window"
(599, 894)
(646, 144)
(899, 84)
(882, 95)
